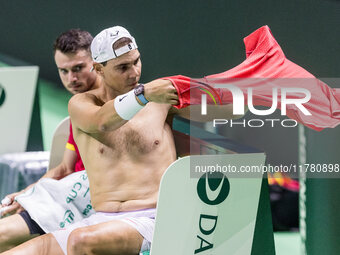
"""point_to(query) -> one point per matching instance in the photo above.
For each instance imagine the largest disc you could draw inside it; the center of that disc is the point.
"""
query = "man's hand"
(9, 206)
(161, 91)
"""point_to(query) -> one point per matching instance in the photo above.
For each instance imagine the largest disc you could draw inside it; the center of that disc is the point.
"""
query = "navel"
(156, 142)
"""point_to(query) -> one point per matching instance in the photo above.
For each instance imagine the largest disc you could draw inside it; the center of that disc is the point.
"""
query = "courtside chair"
(59, 141)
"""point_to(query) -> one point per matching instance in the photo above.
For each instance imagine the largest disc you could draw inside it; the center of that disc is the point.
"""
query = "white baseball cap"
(101, 46)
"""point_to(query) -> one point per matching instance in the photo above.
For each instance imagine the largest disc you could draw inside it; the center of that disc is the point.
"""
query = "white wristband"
(127, 106)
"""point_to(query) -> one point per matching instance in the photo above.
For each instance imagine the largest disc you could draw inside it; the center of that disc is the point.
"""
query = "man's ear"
(98, 68)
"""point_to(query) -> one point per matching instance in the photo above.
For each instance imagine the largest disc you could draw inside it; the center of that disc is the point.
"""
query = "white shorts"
(143, 221)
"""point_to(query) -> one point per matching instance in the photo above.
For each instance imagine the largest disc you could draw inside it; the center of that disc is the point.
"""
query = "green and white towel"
(55, 204)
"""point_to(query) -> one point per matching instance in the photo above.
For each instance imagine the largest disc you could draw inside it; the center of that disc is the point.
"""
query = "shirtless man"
(73, 59)
(126, 144)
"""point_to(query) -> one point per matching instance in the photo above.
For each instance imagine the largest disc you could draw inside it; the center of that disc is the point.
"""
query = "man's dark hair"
(73, 40)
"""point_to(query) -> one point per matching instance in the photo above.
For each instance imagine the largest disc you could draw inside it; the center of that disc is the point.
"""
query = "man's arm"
(65, 168)
(89, 115)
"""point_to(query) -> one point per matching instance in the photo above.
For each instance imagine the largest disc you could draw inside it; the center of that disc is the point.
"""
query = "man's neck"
(96, 83)
(108, 93)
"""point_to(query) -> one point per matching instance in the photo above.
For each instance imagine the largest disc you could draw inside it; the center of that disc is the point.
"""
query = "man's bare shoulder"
(86, 97)
(83, 109)
(80, 105)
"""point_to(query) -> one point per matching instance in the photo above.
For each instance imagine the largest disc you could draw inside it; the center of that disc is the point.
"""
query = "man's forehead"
(79, 53)
(72, 59)
(69, 65)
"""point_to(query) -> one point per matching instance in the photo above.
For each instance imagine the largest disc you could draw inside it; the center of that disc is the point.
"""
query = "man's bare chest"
(139, 136)
(143, 134)
(135, 138)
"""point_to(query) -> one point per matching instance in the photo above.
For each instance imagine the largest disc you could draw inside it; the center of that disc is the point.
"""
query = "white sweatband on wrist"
(6, 201)
(127, 106)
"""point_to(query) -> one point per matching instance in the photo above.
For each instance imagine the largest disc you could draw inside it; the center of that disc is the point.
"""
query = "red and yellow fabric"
(71, 145)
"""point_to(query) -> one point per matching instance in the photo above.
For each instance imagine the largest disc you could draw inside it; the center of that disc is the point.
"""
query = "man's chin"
(77, 90)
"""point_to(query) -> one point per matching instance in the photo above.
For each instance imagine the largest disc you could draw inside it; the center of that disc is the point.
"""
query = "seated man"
(74, 62)
(126, 143)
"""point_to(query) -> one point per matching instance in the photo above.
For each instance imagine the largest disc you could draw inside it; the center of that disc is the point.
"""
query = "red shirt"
(265, 59)
(71, 145)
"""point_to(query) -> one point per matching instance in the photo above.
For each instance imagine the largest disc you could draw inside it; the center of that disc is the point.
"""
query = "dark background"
(194, 38)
